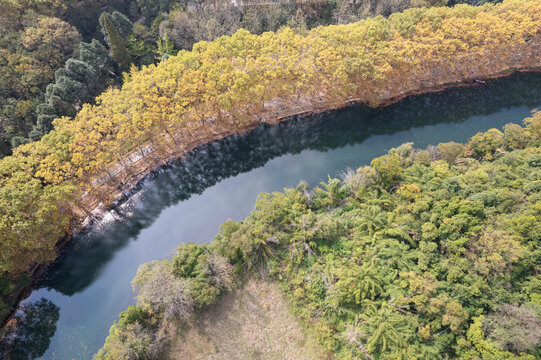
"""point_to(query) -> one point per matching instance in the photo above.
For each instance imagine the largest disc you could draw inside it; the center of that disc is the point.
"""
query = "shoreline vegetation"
(423, 254)
(234, 84)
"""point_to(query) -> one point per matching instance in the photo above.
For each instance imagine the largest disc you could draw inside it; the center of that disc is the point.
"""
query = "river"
(69, 313)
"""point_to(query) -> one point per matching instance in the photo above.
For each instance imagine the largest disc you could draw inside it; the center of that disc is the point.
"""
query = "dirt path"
(251, 323)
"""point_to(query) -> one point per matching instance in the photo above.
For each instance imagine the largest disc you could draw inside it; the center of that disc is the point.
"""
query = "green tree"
(373, 219)
(122, 24)
(95, 54)
(356, 284)
(117, 47)
(485, 144)
(385, 329)
(166, 47)
(388, 168)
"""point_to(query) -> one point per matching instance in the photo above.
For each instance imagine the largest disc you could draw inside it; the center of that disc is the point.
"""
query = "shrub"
(450, 151)
(485, 144)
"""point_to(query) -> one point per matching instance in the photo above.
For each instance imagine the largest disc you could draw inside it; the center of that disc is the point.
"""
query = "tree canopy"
(37, 37)
(235, 83)
(437, 260)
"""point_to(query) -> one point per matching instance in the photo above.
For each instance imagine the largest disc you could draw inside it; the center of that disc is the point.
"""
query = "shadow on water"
(82, 259)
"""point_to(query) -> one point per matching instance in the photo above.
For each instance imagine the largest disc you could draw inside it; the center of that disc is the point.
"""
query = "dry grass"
(251, 323)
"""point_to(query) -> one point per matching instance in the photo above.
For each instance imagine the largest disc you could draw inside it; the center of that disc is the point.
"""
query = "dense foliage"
(231, 84)
(33, 44)
(47, 72)
(423, 254)
(205, 21)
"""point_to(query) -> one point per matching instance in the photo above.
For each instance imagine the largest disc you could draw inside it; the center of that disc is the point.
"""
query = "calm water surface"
(74, 304)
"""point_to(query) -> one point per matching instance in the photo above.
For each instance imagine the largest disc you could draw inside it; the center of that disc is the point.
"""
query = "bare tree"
(220, 271)
(515, 328)
(157, 287)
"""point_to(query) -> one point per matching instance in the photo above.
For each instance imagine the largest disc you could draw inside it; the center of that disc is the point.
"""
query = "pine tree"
(95, 54)
(118, 50)
(123, 25)
(166, 47)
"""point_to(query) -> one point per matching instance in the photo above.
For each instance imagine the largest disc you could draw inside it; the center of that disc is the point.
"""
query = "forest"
(227, 85)
(424, 254)
(58, 55)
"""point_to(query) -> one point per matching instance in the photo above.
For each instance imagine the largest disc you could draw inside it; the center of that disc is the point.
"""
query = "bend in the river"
(86, 288)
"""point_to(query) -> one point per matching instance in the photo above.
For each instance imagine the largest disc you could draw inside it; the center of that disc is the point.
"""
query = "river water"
(69, 313)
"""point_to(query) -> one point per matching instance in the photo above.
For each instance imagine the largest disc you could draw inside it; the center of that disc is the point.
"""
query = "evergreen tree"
(121, 23)
(46, 114)
(95, 54)
(78, 82)
(118, 50)
(166, 47)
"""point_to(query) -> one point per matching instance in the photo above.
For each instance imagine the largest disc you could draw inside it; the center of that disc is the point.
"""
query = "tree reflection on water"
(29, 333)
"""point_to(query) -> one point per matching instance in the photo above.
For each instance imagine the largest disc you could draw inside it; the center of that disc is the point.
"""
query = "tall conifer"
(118, 50)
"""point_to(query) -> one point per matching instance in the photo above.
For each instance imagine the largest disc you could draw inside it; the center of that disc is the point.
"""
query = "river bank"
(142, 167)
(134, 168)
(232, 85)
(187, 200)
(332, 252)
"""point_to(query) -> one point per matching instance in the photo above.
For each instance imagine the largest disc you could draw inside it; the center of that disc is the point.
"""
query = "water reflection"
(29, 333)
(90, 281)
(82, 259)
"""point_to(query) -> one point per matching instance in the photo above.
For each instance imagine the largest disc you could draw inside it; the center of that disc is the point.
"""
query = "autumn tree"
(51, 41)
